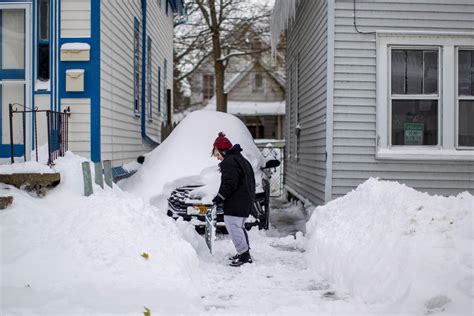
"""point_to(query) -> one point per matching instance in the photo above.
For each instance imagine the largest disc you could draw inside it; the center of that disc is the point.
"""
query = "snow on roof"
(75, 46)
(283, 12)
(250, 108)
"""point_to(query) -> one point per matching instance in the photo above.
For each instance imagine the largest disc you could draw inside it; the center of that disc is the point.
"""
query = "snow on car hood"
(185, 158)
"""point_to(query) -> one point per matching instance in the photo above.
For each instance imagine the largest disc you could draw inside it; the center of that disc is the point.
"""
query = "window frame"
(262, 87)
(458, 97)
(413, 97)
(40, 42)
(136, 67)
(447, 87)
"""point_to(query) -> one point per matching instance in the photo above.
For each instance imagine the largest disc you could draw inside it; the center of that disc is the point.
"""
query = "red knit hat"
(222, 142)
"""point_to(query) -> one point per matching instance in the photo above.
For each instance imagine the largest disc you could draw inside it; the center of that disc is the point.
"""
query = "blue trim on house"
(136, 30)
(5, 150)
(149, 80)
(144, 38)
(13, 74)
(91, 76)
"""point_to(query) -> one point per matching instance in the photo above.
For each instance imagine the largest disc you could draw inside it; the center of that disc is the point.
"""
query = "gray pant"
(237, 232)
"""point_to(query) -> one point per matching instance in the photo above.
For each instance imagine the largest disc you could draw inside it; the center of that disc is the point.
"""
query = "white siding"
(121, 139)
(307, 37)
(355, 93)
(79, 125)
(76, 18)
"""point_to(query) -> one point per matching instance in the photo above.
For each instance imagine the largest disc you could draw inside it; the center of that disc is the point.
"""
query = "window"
(207, 86)
(43, 40)
(465, 96)
(166, 7)
(258, 83)
(159, 89)
(148, 78)
(165, 85)
(424, 96)
(414, 96)
(136, 67)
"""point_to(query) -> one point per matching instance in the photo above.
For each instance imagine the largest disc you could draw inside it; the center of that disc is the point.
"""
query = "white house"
(378, 88)
(109, 61)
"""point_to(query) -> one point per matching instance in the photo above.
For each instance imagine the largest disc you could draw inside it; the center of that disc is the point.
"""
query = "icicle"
(283, 13)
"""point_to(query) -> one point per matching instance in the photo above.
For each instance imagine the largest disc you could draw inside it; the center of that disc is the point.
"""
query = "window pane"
(466, 123)
(414, 71)
(414, 122)
(398, 71)
(430, 72)
(466, 72)
(43, 20)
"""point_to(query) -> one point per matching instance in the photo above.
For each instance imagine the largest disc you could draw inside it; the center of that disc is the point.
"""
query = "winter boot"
(235, 257)
(243, 258)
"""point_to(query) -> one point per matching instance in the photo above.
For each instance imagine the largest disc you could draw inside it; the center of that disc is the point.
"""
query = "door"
(15, 77)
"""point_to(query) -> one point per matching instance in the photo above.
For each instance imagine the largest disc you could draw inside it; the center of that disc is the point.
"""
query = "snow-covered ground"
(381, 249)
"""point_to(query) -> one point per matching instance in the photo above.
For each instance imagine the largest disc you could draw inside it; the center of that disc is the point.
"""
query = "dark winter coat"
(237, 183)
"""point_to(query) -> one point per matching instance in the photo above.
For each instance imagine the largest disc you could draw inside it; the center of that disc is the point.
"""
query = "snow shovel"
(210, 232)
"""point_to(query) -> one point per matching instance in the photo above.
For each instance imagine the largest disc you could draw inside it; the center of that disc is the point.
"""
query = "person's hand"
(217, 199)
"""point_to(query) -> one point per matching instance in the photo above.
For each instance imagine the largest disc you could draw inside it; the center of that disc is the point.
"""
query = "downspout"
(329, 99)
(145, 137)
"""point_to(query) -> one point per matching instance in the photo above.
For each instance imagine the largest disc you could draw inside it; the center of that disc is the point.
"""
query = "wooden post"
(99, 180)
(86, 172)
(108, 172)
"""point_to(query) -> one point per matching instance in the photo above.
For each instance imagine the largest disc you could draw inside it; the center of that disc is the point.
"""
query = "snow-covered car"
(181, 175)
(182, 203)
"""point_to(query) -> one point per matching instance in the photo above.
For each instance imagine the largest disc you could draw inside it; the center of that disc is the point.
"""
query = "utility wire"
(355, 23)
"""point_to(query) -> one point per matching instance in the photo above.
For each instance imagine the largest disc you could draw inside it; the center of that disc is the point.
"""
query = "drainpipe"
(145, 137)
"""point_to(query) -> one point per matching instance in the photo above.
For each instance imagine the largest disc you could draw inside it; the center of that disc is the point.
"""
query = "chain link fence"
(274, 149)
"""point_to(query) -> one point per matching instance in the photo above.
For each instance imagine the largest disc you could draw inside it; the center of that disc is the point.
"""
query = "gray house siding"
(305, 164)
(354, 130)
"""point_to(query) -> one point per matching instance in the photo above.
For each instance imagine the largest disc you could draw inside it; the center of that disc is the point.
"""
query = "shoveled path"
(279, 281)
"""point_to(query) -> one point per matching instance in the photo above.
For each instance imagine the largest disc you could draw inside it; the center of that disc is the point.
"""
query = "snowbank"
(396, 248)
(185, 157)
(74, 255)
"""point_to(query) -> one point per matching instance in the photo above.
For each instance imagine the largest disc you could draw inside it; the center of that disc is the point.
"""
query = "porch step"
(5, 201)
(37, 182)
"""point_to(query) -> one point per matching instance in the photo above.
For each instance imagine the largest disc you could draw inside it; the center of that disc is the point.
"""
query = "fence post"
(108, 172)
(48, 121)
(10, 111)
(98, 174)
(86, 172)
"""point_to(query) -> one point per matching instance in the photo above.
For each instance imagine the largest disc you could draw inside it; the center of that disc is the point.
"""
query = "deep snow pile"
(74, 255)
(185, 157)
(397, 249)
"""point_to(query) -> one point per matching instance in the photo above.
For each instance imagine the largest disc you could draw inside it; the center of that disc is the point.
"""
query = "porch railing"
(57, 129)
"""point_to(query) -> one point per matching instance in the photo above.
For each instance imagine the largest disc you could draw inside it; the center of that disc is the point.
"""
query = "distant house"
(255, 88)
(110, 62)
(378, 89)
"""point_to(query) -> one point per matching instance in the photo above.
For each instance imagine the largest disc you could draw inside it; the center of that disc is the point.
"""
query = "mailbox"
(75, 52)
(75, 80)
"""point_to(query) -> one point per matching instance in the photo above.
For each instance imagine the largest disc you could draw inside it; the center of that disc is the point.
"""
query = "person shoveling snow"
(236, 192)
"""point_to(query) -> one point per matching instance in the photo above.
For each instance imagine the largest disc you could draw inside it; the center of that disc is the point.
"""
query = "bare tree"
(212, 32)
